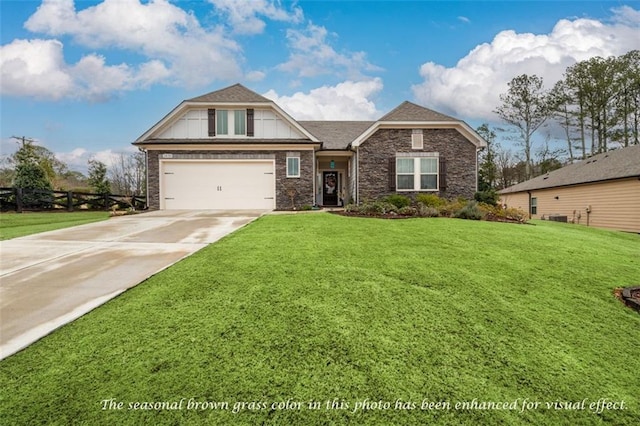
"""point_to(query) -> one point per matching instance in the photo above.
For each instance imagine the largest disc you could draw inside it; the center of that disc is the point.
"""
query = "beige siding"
(517, 200)
(614, 204)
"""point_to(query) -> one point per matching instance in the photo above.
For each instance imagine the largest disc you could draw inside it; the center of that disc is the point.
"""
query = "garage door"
(220, 185)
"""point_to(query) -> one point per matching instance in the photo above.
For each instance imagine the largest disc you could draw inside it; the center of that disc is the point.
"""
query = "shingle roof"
(617, 164)
(235, 93)
(408, 111)
(336, 134)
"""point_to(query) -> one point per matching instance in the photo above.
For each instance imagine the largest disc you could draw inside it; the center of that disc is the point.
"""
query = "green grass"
(14, 225)
(320, 307)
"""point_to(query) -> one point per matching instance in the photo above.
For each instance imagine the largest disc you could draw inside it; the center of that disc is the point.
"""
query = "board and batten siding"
(194, 124)
(614, 204)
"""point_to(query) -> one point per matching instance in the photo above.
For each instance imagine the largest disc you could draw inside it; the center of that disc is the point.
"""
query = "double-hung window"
(293, 165)
(417, 173)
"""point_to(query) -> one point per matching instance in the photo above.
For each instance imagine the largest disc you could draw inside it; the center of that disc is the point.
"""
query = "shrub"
(352, 208)
(377, 208)
(470, 211)
(408, 211)
(426, 211)
(430, 200)
(450, 208)
(507, 215)
(398, 200)
(489, 196)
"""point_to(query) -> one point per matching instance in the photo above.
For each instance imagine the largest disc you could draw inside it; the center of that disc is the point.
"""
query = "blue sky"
(86, 78)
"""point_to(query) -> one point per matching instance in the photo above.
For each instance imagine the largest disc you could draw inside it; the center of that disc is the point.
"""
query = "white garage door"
(220, 185)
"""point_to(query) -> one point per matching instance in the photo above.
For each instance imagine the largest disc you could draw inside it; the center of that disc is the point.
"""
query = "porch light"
(332, 164)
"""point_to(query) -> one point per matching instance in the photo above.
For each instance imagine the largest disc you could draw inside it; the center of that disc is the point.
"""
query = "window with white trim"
(417, 141)
(417, 173)
(236, 121)
(293, 166)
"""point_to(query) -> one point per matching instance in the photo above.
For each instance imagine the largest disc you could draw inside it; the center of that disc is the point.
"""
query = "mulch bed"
(630, 296)
(489, 218)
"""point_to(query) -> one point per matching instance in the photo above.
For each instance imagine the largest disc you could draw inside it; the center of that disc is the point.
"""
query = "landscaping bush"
(408, 211)
(450, 208)
(426, 211)
(470, 211)
(489, 196)
(377, 208)
(430, 200)
(507, 215)
(398, 200)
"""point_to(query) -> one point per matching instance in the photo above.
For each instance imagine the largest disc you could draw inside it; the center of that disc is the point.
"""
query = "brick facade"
(303, 185)
(374, 154)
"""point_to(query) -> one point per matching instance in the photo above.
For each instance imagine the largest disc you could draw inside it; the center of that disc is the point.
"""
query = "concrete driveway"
(52, 278)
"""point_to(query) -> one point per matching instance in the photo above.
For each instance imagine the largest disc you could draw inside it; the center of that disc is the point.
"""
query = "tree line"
(595, 107)
(35, 167)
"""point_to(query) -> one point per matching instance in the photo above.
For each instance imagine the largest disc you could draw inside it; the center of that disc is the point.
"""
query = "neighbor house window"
(293, 166)
(416, 139)
(534, 205)
(417, 174)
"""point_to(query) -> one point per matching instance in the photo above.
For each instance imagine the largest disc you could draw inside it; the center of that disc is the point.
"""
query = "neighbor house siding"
(614, 204)
(302, 186)
(375, 153)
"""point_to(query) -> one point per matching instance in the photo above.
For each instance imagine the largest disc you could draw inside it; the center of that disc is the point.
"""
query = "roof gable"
(336, 134)
(616, 164)
(232, 94)
(408, 111)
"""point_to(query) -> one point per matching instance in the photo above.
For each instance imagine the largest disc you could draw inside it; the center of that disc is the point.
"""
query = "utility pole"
(23, 139)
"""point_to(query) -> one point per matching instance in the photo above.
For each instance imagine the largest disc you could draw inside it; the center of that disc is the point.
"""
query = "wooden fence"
(20, 199)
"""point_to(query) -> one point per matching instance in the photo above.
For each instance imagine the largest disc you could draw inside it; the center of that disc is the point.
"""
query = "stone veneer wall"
(458, 152)
(303, 184)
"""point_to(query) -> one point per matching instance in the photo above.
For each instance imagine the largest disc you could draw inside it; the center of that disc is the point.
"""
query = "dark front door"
(330, 188)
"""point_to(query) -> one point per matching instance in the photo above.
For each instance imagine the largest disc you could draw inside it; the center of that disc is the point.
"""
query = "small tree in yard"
(98, 180)
(98, 177)
(29, 174)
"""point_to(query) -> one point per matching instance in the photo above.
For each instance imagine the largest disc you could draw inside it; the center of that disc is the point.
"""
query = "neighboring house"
(235, 149)
(602, 191)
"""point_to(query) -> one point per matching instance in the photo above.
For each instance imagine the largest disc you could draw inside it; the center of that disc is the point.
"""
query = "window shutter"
(392, 174)
(250, 122)
(443, 174)
(212, 122)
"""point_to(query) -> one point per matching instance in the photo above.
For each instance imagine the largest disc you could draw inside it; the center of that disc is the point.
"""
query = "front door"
(330, 188)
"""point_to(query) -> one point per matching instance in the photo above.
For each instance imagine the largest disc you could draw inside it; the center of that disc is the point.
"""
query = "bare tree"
(525, 107)
(128, 174)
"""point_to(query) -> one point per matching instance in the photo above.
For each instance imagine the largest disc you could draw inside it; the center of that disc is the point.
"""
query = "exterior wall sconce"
(332, 164)
(557, 197)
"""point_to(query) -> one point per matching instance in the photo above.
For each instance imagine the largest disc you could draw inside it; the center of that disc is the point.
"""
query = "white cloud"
(349, 100)
(312, 55)
(36, 68)
(243, 15)
(177, 48)
(464, 19)
(471, 88)
(78, 158)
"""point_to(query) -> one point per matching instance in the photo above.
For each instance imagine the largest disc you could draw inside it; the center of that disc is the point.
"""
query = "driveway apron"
(52, 278)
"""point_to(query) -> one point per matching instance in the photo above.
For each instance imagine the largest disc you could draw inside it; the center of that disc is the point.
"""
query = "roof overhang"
(462, 127)
(185, 106)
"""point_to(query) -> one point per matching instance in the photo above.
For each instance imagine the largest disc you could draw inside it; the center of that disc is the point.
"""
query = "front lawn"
(14, 225)
(303, 318)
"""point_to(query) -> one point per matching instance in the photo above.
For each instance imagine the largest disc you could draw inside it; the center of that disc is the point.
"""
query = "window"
(222, 122)
(416, 139)
(534, 205)
(236, 121)
(239, 122)
(417, 174)
(293, 166)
